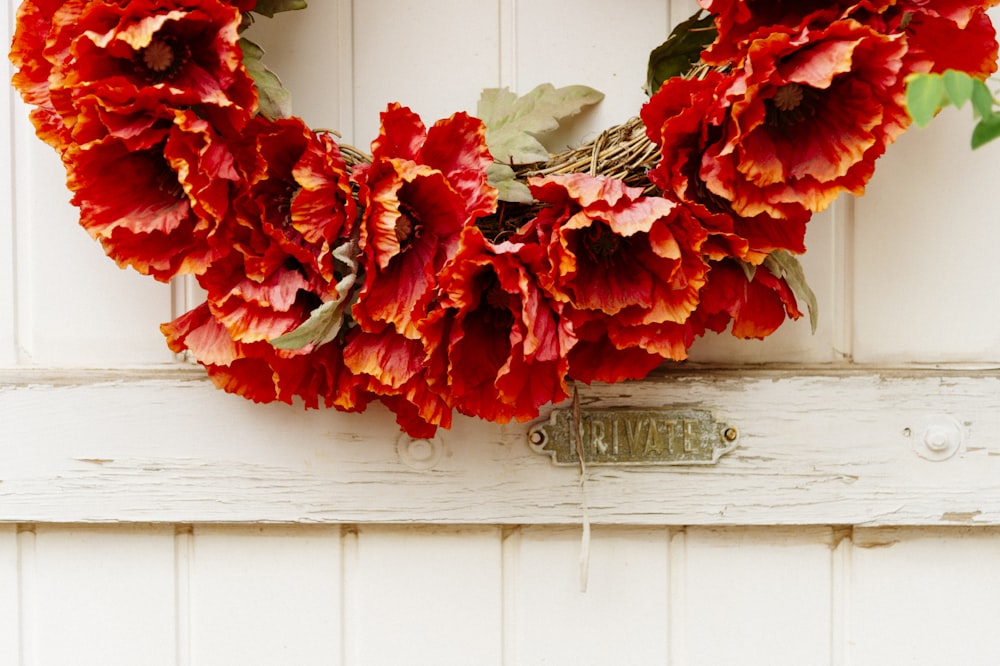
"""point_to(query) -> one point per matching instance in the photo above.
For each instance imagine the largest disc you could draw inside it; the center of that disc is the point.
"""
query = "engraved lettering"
(653, 444)
(633, 431)
(597, 436)
(634, 436)
(689, 436)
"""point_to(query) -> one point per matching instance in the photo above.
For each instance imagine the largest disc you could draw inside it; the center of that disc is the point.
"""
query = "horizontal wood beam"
(827, 445)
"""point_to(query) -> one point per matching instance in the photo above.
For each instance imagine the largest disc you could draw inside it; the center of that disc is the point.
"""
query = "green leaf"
(958, 86)
(925, 93)
(502, 177)
(986, 130)
(784, 265)
(513, 124)
(982, 99)
(274, 101)
(681, 51)
(269, 8)
(326, 321)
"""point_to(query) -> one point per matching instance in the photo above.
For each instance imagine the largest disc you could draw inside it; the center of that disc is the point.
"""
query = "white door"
(149, 519)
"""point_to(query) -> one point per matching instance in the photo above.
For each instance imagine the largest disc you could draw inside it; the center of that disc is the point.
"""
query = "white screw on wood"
(942, 438)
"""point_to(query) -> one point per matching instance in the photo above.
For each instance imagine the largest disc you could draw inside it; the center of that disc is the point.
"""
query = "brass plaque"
(635, 437)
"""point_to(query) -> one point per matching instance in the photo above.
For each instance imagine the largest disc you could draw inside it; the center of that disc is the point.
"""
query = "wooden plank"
(8, 313)
(433, 56)
(932, 199)
(621, 616)
(265, 595)
(822, 448)
(103, 596)
(423, 596)
(587, 49)
(308, 64)
(10, 595)
(756, 596)
(928, 596)
(75, 307)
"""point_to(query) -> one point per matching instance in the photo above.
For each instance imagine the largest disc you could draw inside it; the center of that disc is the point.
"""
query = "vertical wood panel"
(10, 594)
(103, 596)
(591, 42)
(423, 596)
(75, 306)
(621, 618)
(926, 596)
(303, 49)
(434, 56)
(8, 339)
(927, 234)
(757, 596)
(265, 596)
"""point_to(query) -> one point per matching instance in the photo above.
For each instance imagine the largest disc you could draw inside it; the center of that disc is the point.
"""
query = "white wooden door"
(146, 518)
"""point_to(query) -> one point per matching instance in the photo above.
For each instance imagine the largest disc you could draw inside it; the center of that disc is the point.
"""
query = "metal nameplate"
(635, 437)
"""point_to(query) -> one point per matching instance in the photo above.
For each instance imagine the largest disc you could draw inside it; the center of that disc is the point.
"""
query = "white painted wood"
(264, 596)
(10, 594)
(621, 617)
(434, 56)
(309, 64)
(756, 596)
(925, 596)
(926, 271)
(75, 307)
(423, 596)
(582, 43)
(821, 448)
(102, 596)
(8, 340)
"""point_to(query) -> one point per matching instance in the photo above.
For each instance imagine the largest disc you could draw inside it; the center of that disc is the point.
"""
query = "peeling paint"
(960, 516)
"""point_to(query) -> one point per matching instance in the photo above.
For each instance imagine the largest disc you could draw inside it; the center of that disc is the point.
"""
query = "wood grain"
(816, 447)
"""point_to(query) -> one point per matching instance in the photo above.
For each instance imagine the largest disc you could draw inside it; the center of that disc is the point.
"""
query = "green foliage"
(271, 7)
(274, 101)
(326, 321)
(508, 187)
(682, 50)
(926, 94)
(513, 124)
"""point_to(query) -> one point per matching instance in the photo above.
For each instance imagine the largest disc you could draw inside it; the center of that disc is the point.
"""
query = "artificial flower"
(156, 202)
(756, 304)
(421, 189)
(260, 372)
(802, 121)
(280, 265)
(684, 120)
(170, 55)
(620, 263)
(499, 344)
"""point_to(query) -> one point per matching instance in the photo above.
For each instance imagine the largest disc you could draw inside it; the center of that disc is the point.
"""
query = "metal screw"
(731, 434)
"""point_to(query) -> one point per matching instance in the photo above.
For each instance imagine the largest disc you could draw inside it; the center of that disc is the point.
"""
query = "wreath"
(461, 266)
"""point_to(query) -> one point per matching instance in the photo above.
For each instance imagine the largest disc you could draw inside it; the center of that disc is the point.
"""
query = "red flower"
(155, 201)
(801, 122)
(296, 210)
(757, 306)
(422, 188)
(932, 31)
(684, 119)
(740, 21)
(394, 368)
(611, 250)
(627, 267)
(260, 372)
(932, 28)
(171, 54)
(500, 345)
